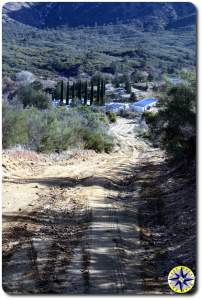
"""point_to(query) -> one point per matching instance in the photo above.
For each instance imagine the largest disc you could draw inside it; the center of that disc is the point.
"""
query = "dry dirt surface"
(88, 223)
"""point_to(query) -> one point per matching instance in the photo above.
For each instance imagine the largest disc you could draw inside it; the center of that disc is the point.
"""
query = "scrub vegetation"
(55, 129)
(173, 127)
(72, 52)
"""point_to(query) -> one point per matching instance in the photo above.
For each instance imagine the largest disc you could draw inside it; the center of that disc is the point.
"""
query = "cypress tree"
(85, 93)
(102, 93)
(128, 86)
(76, 90)
(67, 94)
(73, 93)
(91, 93)
(104, 89)
(61, 92)
(98, 91)
(79, 94)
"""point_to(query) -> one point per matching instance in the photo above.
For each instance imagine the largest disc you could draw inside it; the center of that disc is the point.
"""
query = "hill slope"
(146, 15)
(68, 39)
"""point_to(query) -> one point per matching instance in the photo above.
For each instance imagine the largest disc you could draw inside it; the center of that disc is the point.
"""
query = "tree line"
(80, 92)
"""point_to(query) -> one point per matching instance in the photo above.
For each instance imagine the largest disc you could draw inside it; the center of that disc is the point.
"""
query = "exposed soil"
(87, 223)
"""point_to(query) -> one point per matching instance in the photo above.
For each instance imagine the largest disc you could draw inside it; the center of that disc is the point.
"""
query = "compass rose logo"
(181, 279)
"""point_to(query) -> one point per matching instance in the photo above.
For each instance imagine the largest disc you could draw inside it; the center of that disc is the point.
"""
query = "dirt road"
(89, 225)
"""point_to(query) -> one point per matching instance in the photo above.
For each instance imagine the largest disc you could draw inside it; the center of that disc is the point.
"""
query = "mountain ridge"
(145, 15)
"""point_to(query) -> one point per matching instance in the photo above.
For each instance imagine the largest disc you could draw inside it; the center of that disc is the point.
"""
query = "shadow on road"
(155, 231)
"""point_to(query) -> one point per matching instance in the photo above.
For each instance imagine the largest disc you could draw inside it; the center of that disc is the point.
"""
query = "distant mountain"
(53, 39)
(148, 16)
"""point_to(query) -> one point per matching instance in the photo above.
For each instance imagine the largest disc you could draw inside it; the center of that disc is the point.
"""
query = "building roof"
(125, 95)
(175, 80)
(146, 101)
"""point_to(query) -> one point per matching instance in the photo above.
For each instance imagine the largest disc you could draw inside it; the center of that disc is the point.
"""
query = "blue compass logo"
(181, 279)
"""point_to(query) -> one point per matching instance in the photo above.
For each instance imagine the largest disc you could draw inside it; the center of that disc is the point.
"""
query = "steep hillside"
(69, 39)
(112, 49)
(148, 16)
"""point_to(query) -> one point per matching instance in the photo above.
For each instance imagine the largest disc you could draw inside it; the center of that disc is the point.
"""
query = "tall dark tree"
(102, 93)
(67, 94)
(61, 92)
(73, 93)
(150, 77)
(98, 91)
(104, 88)
(116, 81)
(79, 90)
(128, 87)
(85, 93)
(133, 97)
(91, 93)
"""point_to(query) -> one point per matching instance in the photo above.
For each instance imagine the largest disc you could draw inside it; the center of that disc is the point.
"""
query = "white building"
(175, 80)
(144, 104)
(125, 96)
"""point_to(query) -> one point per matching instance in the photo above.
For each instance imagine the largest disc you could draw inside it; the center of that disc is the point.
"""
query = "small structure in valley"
(144, 104)
(175, 80)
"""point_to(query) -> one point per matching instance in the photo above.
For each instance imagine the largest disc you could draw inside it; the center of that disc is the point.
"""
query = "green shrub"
(111, 116)
(14, 129)
(125, 113)
(174, 126)
(146, 135)
(98, 142)
(149, 116)
(29, 96)
(55, 129)
(103, 119)
(36, 85)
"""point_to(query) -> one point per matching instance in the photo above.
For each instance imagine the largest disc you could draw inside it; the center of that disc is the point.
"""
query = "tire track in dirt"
(97, 265)
(106, 269)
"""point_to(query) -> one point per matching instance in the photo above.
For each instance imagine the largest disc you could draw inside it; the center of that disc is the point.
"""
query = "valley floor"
(97, 223)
